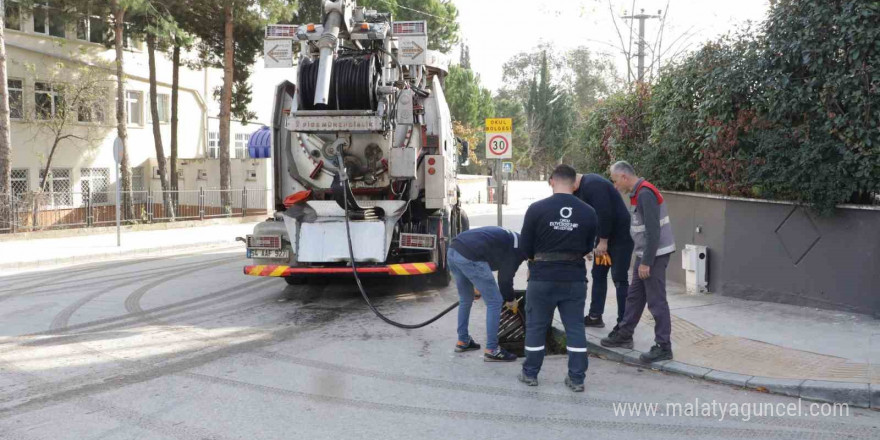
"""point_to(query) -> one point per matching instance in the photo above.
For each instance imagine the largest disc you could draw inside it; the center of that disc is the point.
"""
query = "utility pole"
(641, 18)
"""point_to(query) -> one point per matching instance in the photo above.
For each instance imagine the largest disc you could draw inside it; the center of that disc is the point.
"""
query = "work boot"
(576, 387)
(499, 355)
(594, 321)
(530, 381)
(461, 347)
(616, 339)
(658, 353)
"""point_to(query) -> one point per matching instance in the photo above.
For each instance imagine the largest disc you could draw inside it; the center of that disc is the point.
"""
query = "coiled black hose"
(353, 83)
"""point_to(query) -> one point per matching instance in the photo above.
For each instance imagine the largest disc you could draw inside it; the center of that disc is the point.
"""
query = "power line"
(415, 10)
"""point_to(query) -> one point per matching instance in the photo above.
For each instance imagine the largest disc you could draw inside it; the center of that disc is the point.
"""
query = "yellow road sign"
(499, 125)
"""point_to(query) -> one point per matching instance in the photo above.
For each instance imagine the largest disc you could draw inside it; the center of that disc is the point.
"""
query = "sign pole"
(499, 192)
(118, 209)
(499, 133)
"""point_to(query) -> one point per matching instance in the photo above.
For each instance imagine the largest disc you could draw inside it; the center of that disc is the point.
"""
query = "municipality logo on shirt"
(564, 224)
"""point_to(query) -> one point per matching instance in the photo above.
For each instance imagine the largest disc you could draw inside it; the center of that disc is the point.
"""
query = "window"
(91, 29)
(134, 107)
(58, 186)
(163, 102)
(241, 143)
(16, 94)
(91, 113)
(20, 183)
(49, 20)
(139, 192)
(94, 183)
(92, 110)
(13, 16)
(47, 100)
(213, 145)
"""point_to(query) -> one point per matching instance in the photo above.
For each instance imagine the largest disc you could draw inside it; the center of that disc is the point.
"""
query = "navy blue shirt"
(600, 193)
(559, 223)
(497, 246)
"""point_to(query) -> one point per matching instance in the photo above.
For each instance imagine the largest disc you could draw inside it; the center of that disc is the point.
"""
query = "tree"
(180, 40)
(154, 23)
(550, 117)
(469, 105)
(70, 112)
(231, 41)
(5, 141)
(119, 9)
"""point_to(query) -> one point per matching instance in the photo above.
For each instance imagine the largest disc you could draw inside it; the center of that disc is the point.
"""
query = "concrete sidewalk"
(797, 351)
(35, 253)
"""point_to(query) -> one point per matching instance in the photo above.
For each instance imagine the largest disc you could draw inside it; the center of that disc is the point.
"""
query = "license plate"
(268, 253)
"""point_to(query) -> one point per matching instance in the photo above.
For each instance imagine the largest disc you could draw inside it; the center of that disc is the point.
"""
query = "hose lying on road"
(344, 179)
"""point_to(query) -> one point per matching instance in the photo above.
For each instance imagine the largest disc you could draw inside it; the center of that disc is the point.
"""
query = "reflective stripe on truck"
(391, 269)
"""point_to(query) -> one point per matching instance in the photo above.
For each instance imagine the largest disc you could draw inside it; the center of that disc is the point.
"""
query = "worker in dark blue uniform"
(614, 241)
(472, 258)
(558, 232)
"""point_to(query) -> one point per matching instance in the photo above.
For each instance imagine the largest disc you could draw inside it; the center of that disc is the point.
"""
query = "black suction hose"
(358, 279)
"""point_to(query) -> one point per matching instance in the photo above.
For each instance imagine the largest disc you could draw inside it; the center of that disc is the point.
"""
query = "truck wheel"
(440, 279)
(296, 281)
(464, 221)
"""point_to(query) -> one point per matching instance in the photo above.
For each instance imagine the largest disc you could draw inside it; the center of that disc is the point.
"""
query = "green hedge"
(786, 111)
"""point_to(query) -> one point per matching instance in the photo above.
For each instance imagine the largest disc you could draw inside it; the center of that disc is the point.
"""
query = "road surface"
(188, 348)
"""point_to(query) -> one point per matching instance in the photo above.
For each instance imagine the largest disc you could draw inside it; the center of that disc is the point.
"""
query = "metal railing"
(41, 211)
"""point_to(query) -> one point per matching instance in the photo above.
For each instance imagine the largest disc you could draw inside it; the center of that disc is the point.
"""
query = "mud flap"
(512, 331)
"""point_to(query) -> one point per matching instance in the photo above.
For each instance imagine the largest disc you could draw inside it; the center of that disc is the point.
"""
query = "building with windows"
(57, 67)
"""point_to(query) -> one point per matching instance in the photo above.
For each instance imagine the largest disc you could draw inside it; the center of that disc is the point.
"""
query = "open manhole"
(512, 331)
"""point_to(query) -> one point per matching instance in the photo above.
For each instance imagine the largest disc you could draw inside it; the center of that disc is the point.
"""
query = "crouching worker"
(557, 233)
(472, 258)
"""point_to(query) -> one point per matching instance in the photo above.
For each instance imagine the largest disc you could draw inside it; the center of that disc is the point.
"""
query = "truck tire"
(440, 279)
(464, 221)
(296, 281)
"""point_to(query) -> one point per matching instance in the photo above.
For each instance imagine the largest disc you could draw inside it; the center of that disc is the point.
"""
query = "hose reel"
(353, 83)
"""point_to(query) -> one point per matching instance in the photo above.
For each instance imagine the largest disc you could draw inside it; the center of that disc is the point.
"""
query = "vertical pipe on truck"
(327, 45)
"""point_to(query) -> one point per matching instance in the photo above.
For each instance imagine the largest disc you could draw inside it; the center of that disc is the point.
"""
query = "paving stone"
(735, 379)
(787, 387)
(685, 369)
(855, 394)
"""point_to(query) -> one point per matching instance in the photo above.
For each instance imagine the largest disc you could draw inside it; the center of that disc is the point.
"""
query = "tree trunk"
(175, 86)
(39, 195)
(5, 142)
(157, 131)
(226, 106)
(121, 120)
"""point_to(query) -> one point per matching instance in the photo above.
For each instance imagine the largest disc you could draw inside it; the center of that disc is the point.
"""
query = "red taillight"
(264, 241)
(432, 171)
(432, 161)
(417, 241)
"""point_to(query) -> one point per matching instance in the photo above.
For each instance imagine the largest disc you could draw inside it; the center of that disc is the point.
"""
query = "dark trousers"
(621, 255)
(653, 292)
(542, 299)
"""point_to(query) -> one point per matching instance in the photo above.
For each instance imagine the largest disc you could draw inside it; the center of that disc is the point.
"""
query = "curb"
(109, 256)
(861, 395)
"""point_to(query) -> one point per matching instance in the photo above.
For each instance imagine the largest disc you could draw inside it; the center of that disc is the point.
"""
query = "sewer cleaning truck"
(364, 156)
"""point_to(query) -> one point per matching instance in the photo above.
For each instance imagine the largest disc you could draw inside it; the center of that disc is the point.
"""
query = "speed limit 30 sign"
(498, 138)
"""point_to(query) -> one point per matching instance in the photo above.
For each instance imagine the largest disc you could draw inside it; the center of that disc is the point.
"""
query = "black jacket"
(497, 246)
(600, 193)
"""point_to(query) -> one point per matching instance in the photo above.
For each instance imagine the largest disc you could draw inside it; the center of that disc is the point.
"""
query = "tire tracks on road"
(61, 320)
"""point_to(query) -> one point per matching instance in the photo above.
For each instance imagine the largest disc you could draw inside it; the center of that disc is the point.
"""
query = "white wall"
(32, 57)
